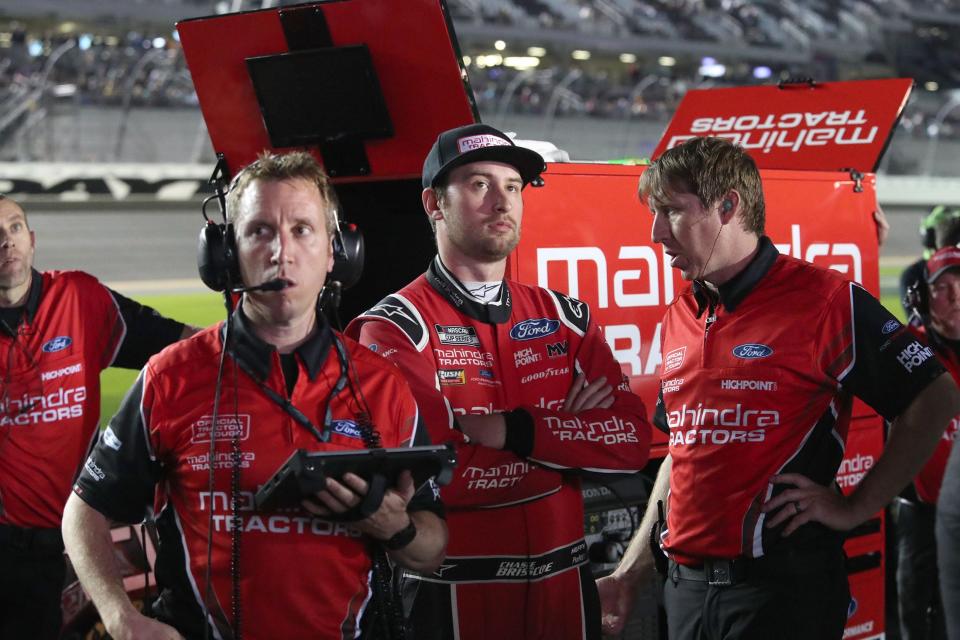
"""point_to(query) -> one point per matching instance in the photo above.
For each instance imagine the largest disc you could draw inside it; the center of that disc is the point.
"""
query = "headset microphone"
(269, 285)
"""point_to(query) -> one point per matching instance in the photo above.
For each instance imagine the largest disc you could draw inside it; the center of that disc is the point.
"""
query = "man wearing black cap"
(520, 379)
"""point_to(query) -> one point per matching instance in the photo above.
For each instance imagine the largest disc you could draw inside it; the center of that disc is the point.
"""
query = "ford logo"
(532, 329)
(752, 351)
(57, 344)
(851, 608)
(890, 326)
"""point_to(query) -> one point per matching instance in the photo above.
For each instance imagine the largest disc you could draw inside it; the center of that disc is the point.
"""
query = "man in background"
(919, 603)
(58, 331)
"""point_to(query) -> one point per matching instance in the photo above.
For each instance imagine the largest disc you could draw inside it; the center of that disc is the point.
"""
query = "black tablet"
(305, 472)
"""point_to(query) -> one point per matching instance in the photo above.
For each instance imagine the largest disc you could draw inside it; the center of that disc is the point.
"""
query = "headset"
(219, 265)
(727, 205)
(917, 298)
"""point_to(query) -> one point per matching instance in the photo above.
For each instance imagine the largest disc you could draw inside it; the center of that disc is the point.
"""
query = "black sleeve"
(427, 497)
(147, 332)
(890, 366)
(120, 476)
(660, 415)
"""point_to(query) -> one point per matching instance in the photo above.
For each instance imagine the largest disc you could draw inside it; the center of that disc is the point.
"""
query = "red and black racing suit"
(517, 561)
(299, 576)
(52, 350)
(759, 381)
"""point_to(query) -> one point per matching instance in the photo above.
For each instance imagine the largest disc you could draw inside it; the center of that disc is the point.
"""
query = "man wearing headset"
(940, 228)
(58, 331)
(275, 574)
(920, 606)
(761, 357)
(523, 383)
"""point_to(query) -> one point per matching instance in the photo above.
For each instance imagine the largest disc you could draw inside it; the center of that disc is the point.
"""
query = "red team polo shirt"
(759, 381)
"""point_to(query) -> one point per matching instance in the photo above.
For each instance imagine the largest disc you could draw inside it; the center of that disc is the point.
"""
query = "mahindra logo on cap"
(470, 143)
(752, 351)
(57, 344)
(532, 329)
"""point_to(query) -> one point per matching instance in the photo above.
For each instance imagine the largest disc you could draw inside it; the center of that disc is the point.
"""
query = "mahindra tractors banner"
(834, 125)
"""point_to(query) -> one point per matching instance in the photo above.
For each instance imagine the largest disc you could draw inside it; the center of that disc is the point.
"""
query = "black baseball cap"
(476, 143)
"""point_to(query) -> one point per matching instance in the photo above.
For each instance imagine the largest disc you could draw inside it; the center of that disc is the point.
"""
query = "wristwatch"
(401, 538)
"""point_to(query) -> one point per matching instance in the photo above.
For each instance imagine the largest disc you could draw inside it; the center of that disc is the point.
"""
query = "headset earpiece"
(348, 253)
(217, 256)
(917, 297)
(727, 205)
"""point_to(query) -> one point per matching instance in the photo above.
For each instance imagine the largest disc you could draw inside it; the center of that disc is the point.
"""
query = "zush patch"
(452, 376)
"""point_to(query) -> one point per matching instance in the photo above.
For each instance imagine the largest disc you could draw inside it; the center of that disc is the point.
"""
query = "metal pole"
(934, 130)
(128, 95)
(555, 98)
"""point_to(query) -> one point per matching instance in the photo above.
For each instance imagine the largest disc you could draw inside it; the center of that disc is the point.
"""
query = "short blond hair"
(708, 168)
(297, 165)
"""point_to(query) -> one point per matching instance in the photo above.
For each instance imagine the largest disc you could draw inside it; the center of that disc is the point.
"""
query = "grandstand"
(104, 80)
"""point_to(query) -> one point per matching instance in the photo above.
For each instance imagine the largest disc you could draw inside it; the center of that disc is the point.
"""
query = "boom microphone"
(269, 285)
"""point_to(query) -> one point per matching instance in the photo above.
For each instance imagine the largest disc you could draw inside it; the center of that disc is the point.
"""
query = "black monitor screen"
(320, 95)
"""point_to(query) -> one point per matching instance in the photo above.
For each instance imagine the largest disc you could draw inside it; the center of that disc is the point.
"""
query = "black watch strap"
(401, 538)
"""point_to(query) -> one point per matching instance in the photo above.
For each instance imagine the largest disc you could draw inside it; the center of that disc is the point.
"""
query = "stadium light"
(580, 54)
(710, 68)
(159, 43)
(931, 86)
(667, 61)
(521, 63)
(35, 48)
(467, 60)
(538, 52)
(628, 58)
(490, 60)
(762, 73)
(499, 45)
(85, 41)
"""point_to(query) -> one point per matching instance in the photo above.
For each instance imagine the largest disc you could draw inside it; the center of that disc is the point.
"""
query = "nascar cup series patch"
(448, 334)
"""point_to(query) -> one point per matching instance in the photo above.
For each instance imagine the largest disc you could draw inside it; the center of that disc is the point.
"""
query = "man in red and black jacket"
(521, 380)
(283, 573)
(938, 312)
(762, 356)
(58, 331)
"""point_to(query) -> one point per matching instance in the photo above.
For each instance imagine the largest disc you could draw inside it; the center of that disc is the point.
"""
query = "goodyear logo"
(534, 328)
(57, 344)
(752, 351)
